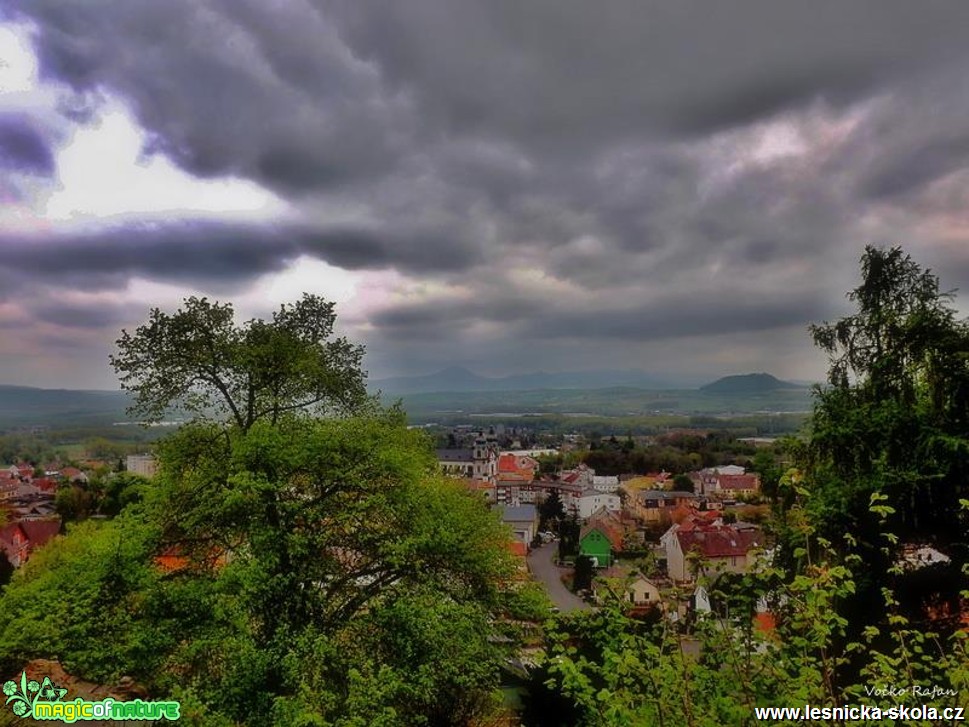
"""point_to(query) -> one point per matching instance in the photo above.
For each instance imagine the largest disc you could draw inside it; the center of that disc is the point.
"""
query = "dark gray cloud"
(680, 316)
(96, 315)
(661, 317)
(213, 254)
(303, 95)
(243, 88)
(575, 70)
(23, 147)
(566, 173)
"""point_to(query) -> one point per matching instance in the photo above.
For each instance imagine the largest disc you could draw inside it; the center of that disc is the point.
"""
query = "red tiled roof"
(719, 542)
(696, 519)
(39, 532)
(173, 559)
(171, 563)
(739, 482)
(36, 532)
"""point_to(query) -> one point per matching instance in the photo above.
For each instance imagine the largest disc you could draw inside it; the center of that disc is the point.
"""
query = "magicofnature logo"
(43, 701)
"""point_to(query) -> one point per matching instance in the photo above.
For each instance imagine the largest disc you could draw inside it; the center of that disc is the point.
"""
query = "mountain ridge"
(748, 384)
(457, 379)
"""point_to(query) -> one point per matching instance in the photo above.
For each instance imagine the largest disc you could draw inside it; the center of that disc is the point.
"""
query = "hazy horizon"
(651, 382)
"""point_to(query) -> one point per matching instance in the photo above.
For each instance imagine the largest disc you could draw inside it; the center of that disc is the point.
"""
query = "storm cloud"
(23, 148)
(561, 173)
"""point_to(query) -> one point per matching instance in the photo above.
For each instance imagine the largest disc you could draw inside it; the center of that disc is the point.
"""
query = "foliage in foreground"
(325, 575)
(885, 465)
(604, 668)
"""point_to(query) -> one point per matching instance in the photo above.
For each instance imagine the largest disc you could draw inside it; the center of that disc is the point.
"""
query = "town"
(706, 528)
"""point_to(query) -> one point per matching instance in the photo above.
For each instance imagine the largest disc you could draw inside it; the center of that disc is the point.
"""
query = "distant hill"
(456, 379)
(748, 384)
(25, 405)
(453, 378)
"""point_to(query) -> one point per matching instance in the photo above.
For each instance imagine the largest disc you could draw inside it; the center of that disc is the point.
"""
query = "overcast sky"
(678, 186)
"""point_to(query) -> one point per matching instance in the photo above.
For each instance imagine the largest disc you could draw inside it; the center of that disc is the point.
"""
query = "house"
(582, 476)
(596, 545)
(522, 519)
(171, 560)
(8, 487)
(516, 473)
(601, 538)
(20, 539)
(28, 502)
(534, 492)
(612, 524)
(642, 591)
(631, 484)
(517, 466)
(46, 484)
(510, 492)
(141, 464)
(697, 548)
(605, 483)
(738, 485)
(726, 481)
(653, 506)
(35, 511)
(73, 474)
(592, 500)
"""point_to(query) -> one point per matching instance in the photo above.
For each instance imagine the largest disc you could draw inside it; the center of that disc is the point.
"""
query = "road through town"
(541, 562)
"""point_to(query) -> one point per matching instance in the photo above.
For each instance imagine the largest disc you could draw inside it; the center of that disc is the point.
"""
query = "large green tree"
(894, 417)
(283, 567)
(888, 457)
(198, 359)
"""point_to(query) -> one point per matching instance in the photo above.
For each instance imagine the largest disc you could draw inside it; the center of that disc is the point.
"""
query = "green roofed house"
(599, 543)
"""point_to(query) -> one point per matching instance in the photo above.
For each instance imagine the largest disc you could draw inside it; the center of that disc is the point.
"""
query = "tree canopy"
(313, 571)
(297, 560)
(894, 418)
(199, 360)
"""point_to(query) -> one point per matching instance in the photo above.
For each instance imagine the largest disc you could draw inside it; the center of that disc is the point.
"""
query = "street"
(541, 562)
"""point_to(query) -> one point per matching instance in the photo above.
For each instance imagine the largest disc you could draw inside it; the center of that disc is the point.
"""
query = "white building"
(605, 483)
(141, 464)
(591, 500)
